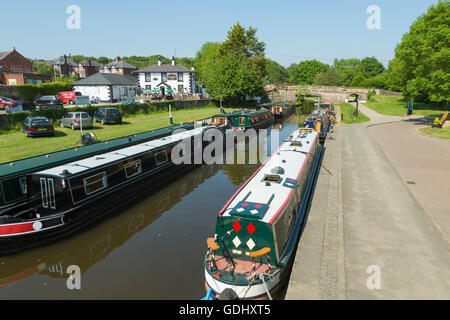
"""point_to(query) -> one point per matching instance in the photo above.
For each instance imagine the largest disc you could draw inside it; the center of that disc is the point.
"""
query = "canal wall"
(333, 93)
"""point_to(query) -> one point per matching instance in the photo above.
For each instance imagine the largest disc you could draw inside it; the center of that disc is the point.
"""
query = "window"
(23, 185)
(164, 76)
(133, 168)
(180, 76)
(148, 77)
(51, 193)
(44, 195)
(180, 88)
(242, 121)
(95, 183)
(161, 157)
(148, 87)
(172, 77)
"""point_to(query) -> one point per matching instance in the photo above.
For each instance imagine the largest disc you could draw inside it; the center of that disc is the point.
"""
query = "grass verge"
(397, 106)
(443, 133)
(347, 111)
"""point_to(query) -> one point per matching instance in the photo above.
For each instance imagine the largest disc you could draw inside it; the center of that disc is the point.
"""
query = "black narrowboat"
(64, 198)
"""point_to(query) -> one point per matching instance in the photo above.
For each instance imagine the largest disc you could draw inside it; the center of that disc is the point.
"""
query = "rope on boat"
(261, 276)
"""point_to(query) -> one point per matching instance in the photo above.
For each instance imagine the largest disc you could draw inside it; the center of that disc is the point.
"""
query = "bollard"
(342, 117)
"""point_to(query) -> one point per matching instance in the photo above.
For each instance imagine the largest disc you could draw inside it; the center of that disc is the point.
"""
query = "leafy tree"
(306, 71)
(370, 67)
(42, 68)
(348, 68)
(104, 60)
(232, 78)
(204, 59)
(276, 73)
(422, 59)
(331, 77)
(358, 80)
(301, 93)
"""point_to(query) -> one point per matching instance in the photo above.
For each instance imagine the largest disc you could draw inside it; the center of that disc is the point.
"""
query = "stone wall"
(10, 92)
(333, 93)
(3, 121)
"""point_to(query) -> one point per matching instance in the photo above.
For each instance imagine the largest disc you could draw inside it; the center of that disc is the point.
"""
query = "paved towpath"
(369, 236)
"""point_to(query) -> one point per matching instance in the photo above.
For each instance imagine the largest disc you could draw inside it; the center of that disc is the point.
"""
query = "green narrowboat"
(244, 119)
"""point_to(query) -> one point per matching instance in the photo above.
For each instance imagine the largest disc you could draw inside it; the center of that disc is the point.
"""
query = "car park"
(49, 102)
(37, 126)
(76, 120)
(108, 115)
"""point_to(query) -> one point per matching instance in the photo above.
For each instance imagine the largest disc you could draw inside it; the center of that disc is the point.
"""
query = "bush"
(370, 95)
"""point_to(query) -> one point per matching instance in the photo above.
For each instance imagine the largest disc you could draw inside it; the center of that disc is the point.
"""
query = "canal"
(152, 249)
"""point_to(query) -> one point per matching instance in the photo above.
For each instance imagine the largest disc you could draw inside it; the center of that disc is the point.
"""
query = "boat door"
(48, 193)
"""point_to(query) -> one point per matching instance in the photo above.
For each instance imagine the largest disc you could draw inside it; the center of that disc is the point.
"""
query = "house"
(64, 66)
(87, 68)
(165, 77)
(15, 69)
(106, 87)
(119, 67)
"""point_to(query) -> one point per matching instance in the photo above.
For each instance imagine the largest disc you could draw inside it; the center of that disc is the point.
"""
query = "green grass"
(347, 110)
(15, 145)
(443, 133)
(397, 106)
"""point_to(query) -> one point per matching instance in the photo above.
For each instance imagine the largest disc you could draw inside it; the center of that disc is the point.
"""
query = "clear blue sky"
(293, 30)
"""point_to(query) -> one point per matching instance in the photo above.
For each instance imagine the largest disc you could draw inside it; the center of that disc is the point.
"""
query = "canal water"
(152, 249)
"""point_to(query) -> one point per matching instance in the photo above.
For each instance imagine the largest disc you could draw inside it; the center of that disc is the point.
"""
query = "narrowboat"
(64, 198)
(319, 120)
(282, 110)
(253, 248)
(244, 119)
(13, 185)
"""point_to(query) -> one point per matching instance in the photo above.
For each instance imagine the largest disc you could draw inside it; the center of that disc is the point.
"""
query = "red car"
(68, 97)
(6, 102)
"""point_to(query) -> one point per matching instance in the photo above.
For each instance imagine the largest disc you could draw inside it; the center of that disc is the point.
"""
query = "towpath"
(370, 234)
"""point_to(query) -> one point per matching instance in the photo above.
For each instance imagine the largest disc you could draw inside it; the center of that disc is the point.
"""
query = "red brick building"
(15, 69)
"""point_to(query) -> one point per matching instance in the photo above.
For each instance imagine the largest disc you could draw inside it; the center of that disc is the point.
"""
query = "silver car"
(72, 120)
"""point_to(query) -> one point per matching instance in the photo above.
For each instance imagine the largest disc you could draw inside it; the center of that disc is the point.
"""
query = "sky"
(293, 30)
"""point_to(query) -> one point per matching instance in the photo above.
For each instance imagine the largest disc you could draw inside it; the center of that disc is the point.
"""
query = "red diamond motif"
(251, 228)
(258, 206)
(244, 204)
(236, 226)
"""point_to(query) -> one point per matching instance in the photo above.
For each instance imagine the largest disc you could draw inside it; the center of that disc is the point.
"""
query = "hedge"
(15, 119)
(29, 92)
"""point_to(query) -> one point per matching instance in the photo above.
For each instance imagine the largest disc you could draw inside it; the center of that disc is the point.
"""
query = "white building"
(107, 87)
(173, 76)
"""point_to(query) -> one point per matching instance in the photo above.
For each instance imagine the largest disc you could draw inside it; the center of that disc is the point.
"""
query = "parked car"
(37, 126)
(72, 120)
(68, 97)
(108, 115)
(49, 102)
(6, 103)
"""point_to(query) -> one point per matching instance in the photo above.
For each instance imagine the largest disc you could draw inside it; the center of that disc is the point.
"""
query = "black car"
(108, 115)
(37, 126)
(49, 102)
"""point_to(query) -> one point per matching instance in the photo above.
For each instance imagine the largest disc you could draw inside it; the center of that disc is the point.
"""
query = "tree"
(276, 73)
(370, 67)
(232, 78)
(204, 59)
(358, 80)
(104, 60)
(43, 68)
(301, 93)
(331, 77)
(306, 71)
(348, 68)
(422, 59)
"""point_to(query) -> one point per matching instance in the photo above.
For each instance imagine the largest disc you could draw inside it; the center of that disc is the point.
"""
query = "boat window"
(95, 183)
(133, 168)
(51, 193)
(44, 194)
(161, 157)
(242, 121)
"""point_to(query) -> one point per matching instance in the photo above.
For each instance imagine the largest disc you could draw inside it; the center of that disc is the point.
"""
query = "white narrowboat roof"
(102, 159)
(251, 199)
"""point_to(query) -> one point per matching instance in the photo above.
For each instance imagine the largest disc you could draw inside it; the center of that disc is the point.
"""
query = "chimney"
(14, 48)
(192, 68)
(159, 60)
(117, 59)
(173, 60)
